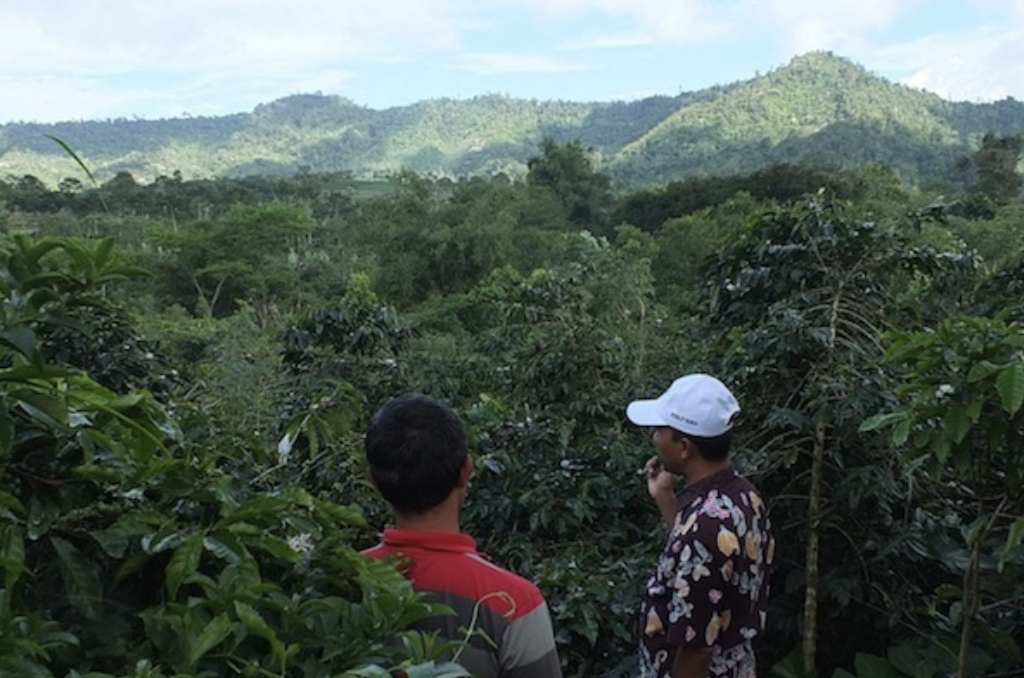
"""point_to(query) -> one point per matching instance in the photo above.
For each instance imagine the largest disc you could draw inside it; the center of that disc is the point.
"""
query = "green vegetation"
(818, 111)
(186, 368)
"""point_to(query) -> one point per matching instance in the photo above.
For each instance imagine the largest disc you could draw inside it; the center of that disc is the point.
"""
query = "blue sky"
(98, 59)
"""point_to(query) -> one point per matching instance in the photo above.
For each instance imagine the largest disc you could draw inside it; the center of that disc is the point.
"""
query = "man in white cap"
(707, 598)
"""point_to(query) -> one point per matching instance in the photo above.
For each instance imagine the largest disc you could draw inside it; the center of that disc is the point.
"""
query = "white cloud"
(607, 40)
(800, 26)
(977, 63)
(185, 35)
(982, 60)
(980, 65)
(29, 100)
(797, 25)
(75, 59)
(655, 22)
(494, 63)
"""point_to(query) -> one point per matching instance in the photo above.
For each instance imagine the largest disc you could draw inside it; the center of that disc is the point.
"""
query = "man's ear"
(466, 472)
(686, 448)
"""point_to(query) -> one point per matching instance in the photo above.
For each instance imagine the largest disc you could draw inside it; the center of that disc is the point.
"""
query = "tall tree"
(959, 423)
(996, 163)
(242, 256)
(991, 174)
(567, 170)
(805, 293)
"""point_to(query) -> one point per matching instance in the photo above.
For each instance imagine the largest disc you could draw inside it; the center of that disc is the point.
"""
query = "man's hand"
(661, 485)
(659, 481)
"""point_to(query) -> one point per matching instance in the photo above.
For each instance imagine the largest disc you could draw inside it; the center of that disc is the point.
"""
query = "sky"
(72, 60)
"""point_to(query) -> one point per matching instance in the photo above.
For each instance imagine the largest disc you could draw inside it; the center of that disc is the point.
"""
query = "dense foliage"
(186, 369)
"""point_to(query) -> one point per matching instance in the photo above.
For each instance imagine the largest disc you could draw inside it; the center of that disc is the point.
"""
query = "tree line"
(819, 110)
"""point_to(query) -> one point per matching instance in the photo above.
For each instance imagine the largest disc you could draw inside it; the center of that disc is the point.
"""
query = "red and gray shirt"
(505, 608)
(710, 589)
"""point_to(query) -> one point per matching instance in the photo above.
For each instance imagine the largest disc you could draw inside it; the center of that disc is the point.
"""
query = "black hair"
(415, 447)
(712, 449)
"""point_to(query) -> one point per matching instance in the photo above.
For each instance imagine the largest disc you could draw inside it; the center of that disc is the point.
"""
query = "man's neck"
(704, 469)
(441, 518)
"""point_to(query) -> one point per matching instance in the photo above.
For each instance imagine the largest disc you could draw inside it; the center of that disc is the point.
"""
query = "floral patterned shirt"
(710, 589)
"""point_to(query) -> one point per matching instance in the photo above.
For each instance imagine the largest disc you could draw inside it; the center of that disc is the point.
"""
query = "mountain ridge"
(819, 109)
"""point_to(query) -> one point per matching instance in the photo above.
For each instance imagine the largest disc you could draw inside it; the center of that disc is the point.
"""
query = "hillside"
(819, 109)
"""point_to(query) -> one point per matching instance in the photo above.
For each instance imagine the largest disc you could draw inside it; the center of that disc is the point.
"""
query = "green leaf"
(254, 621)
(28, 373)
(1014, 538)
(21, 339)
(74, 156)
(878, 421)
(947, 592)
(184, 562)
(1010, 385)
(258, 507)
(112, 543)
(982, 370)
(6, 428)
(279, 548)
(126, 402)
(133, 564)
(212, 635)
(166, 538)
(134, 524)
(225, 546)
(901, 432)
(1002, 642)
(956, 424)
(81, 577)
(432, 670)
(44, 286)
(341, 515)
(101, 255)
(450, 670)
(10, 506)
(12, 554)
(872, 666)
(367, 672)
(42, 511)
(49, 410)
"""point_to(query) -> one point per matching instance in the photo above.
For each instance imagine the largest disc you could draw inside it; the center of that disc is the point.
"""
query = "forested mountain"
(819, 110)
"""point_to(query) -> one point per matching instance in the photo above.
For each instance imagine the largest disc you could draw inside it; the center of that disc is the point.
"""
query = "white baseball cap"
(698, 404)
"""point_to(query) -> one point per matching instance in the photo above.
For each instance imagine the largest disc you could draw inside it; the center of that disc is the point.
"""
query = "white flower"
(302, 543)
(943, 391)
(284, 447)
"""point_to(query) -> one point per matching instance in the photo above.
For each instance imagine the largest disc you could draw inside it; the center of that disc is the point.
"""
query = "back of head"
(415, 448)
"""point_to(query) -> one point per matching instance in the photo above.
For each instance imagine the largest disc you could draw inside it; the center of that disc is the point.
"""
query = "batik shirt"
(710, 589)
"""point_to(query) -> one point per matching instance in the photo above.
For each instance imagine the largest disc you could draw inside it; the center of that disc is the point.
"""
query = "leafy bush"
(127, 550)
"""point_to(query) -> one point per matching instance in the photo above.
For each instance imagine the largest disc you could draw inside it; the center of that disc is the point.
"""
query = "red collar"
(451, 542)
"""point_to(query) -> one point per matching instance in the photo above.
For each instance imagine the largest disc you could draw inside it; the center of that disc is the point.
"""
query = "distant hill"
(820, 110)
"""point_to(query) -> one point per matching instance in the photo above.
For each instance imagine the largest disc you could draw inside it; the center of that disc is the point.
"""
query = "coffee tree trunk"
(810, 639)
(971, 603)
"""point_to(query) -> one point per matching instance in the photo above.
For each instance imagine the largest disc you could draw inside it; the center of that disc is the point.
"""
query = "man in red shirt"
(419, 462)
(706, 600)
